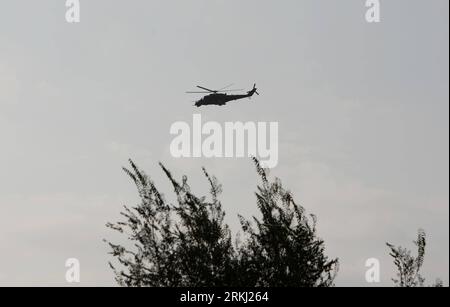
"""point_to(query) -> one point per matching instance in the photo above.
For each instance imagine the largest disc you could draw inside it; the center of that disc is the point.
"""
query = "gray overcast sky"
(362, 109)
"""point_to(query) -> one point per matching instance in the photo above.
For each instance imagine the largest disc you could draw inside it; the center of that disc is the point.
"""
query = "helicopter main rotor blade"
(198, 92)
(237, 90)
(224, 88)
(206, 89)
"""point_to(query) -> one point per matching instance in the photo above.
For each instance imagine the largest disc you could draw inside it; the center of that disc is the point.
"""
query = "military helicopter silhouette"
(219, 97)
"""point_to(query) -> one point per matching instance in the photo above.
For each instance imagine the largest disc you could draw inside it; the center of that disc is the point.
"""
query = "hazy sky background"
(362, 110)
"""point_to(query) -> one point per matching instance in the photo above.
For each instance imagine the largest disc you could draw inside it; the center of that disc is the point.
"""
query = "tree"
(189, 244)
(175, 245)
(283, 250)
(408, 266)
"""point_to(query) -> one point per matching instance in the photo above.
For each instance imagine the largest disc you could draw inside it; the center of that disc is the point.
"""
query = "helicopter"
(220, 97)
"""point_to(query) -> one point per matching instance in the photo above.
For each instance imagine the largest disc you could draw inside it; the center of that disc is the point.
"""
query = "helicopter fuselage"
(219, 99)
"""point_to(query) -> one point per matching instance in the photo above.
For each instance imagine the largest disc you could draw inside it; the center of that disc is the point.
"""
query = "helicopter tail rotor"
(256, 90)
(253, 91)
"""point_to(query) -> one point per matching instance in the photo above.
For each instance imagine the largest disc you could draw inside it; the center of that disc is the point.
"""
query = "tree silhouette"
(283, 250)
(408, 266)
(189, 244)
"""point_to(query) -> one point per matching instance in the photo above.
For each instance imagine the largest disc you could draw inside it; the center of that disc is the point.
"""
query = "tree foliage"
(409, 266)
(283, 249)
(189, 244)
